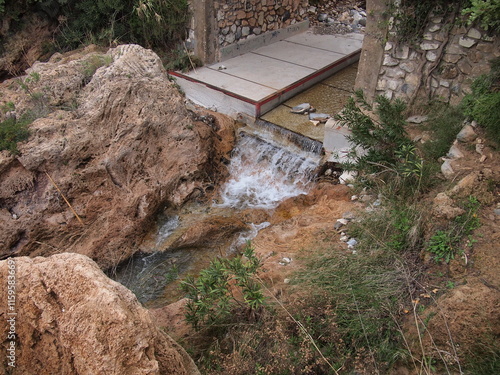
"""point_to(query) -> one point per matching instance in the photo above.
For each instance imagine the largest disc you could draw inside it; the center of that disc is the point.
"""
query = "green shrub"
(485, 12)
(444, 124)
(381, 149)
(13, 131)
(483, 104)
(445, 244)
(211, 300)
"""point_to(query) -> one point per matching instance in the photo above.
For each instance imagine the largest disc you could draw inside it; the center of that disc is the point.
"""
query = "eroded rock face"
(72, 319)
(119, 147)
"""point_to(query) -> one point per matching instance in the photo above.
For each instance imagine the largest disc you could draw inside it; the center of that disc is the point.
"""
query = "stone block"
(474, 34)
(464, 66)
(381, 84)
(467, 42)
(431, 56)
(434, 28)
(245, 31)
(428, 46)
(412, 79)
(390, 61)
(444, 83)
(388, 46)
(393, 84)
(407, 66)
(402, 52)
(394, 73)
(451, 58)
(485, 47)
(241, 14)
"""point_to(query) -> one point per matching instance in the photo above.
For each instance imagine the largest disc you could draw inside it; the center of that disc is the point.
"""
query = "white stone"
(402, 52)
(388, 46)
(444, 83)
(454, 152)
(431, 56)
(428, 36)
(245, 31)
(474, 34)
(466, 42)
(390, 61)
(467, 134)
(447, 170)
(434, 28)
(393, 84)
(426, 46)
(437, 19)
(407, 67)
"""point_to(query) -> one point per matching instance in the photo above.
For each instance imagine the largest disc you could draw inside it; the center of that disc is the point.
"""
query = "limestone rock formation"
(72, 319)
(117, 147)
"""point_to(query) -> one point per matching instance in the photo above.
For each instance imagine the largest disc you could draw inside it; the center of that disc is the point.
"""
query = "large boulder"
(118, 147)
(72, 319)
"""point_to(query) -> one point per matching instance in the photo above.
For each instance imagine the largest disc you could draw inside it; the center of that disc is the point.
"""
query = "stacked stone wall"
(442, 66)
(239, 19)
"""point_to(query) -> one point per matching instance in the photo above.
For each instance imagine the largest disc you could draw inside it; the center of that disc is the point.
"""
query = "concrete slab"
(265, 71)
(299, 54)
(335, 43)
(270, 75)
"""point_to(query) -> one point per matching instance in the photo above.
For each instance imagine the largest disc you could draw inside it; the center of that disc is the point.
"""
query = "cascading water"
(262, 175)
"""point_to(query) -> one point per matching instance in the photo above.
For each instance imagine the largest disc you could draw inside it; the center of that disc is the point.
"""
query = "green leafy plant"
(444, 244)
(381, 146)
(485, 12)
(93, 63)
(13, 131)
(483, 104)
(211, 298)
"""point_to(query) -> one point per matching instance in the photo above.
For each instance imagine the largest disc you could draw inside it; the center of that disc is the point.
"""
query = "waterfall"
(264, 174)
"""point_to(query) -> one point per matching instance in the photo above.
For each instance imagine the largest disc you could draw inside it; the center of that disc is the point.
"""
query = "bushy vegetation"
(13, 131)
(485, 12)
(211, 296)
(151, 23)
(483, 104)
(382, 150)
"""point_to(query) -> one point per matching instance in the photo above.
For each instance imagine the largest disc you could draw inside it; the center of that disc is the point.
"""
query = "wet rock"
(321, 117)
(212, 231)
(301, 108)
(129, 149)
(75, 320)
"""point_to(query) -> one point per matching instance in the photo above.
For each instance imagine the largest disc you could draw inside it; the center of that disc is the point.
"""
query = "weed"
(7, 107)
(444, 244)
(93, 63)
(381, 150)
(13, 131)
(211, 299)
(444, 124)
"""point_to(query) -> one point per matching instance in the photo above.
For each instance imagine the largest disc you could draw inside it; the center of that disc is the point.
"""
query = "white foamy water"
(167, 229)
(263, 174)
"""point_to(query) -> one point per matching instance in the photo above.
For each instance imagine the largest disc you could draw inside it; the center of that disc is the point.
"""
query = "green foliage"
(484, 12)
(181, 60)
(7, 107)
(364, 293)
(380, 143)
(151, 23)
(211, 297)
(483, 104)
(444, 124)
(445, 244)
(93, 63)
(13, 131)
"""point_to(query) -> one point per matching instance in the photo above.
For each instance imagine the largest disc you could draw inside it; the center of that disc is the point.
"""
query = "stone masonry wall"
(441, 67)
(238, 19)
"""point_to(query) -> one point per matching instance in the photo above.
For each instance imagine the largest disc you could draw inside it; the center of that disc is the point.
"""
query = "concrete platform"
(256, 82)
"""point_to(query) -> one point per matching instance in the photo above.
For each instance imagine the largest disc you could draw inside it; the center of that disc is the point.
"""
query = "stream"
(262, 175)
